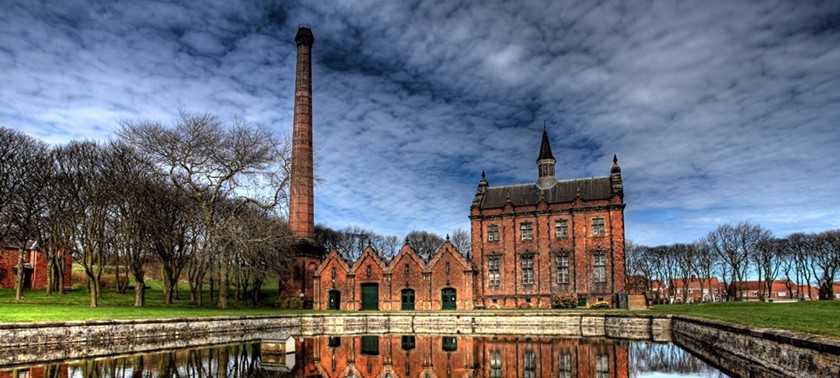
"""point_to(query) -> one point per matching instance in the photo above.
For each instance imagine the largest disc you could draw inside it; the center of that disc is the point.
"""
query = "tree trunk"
(50, 275)
(19, 276)
(61, 272)
(94, 295)
(139, 294)
(223, 280)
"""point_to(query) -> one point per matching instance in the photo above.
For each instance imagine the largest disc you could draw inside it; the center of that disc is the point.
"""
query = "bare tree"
(800, 247)
(734, 245)
(826, 262)
(684, 257)
(767, 257)
(174, 236)
(424, 243)
(209, 163)
(390, 246)
(25, 173)
(81, 174)
(462, 241)
(263, 249)
(705, 268)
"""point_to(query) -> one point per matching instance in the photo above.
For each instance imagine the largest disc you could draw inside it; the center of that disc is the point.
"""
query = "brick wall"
(38, 261)
(580, 245)
(448, 269)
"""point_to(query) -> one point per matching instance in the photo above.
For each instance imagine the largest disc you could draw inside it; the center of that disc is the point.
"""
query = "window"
(529, 365)
(368, 271)
(450, 344)
(406, 269)
(446, 267)
(527, 269)
(565, 365)
(562, 262)
(598, 227)
(526, 231)
(602, 366)
(370, 345)
(334, 342)
(408, 342)
(492, 233)
(561, 229)
(599, 262)
(493, 271)
(332, 272)
(495, 364)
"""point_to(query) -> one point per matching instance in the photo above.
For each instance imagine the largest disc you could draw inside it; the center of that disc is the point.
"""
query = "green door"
(335, 300)
(370, 296)
(447, 298)
(407, 299)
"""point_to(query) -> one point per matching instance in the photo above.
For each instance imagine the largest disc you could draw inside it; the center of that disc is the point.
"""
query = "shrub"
(600, 304)
(564, 301)
(288, 303)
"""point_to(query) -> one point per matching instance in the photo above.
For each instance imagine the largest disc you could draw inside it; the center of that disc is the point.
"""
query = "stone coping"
(797, 339)
(323, 314)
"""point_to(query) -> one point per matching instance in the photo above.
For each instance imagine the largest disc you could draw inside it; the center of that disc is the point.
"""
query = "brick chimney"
(302, 201)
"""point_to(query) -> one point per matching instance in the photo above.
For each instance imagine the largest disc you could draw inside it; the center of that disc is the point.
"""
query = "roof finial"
(615, 159)
(447, 237)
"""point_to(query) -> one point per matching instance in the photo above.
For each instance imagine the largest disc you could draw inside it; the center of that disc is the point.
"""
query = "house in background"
(34, 268)
(710, 291)
(780, 291)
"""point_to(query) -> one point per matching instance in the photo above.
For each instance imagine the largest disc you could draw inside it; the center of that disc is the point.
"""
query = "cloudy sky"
(719, 111)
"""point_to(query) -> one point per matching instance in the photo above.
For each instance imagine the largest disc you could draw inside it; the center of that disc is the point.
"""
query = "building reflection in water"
(451, 356)
(392, 356)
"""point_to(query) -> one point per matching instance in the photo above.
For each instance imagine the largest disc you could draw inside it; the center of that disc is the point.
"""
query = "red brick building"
(456, 356)
(35, 268)
(691, 291)
(406, 283)
(552, 237)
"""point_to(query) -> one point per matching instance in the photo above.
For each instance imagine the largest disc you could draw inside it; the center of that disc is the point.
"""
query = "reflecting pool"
(432, 356)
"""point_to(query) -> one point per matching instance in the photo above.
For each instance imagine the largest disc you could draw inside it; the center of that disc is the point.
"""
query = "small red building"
(406, 283)
(34, 268)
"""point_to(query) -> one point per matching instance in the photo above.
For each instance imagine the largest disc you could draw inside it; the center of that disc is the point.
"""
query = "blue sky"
(719, 111)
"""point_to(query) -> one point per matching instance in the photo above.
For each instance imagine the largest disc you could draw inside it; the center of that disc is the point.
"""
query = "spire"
(480, 190)
(545, 164)
(545, 148)
(615, 178)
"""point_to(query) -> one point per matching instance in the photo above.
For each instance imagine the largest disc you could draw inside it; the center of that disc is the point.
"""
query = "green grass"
(75, 305)
(818, 318)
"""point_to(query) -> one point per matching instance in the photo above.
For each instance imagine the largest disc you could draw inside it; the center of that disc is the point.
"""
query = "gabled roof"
(333, 255)
(369, 252)
(448, 248)
(406, 252)
(593, 188)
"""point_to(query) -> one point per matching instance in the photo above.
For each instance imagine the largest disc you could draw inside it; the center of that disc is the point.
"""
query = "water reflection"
(423, 356)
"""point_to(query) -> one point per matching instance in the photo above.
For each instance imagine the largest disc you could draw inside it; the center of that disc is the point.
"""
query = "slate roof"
(545, 148)
(593, 188)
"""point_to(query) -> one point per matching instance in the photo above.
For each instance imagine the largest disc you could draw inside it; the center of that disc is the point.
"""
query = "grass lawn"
(819, 318)
(74, 305)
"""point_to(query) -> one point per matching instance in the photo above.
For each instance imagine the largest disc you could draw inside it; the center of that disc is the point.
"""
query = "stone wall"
(23, 343)
(735, 349)
(746, 352)
(571, 324)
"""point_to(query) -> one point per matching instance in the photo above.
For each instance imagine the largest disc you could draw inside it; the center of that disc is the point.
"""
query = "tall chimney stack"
(302, 201)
